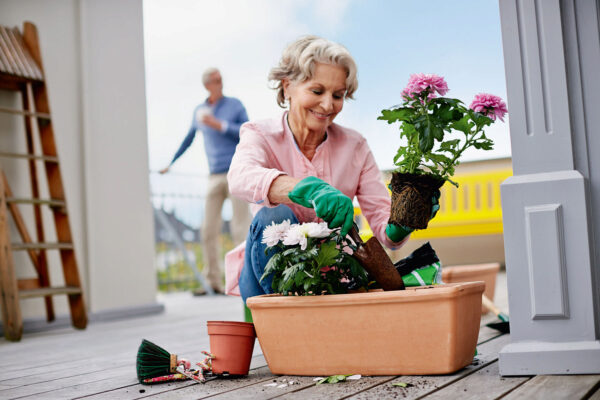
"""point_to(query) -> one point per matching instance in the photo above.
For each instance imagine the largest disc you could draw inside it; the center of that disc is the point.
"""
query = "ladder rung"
(47, 202)
(45, 246)
(24, 112)
(29, 156)
(49, 291)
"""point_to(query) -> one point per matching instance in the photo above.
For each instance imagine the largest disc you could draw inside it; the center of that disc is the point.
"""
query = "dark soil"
(411, 199)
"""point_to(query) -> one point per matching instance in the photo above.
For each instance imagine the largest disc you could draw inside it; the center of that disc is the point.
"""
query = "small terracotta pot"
(411, 199)
(472, 273)
(418, 331)
(232, 344)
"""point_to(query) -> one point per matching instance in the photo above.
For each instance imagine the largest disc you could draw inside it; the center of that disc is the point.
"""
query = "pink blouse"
(268, 149)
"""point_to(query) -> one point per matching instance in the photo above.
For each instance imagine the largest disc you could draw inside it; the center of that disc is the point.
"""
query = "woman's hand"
(330, 204)
(397, 233)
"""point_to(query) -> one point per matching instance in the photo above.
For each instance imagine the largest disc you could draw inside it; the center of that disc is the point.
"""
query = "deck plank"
(188, 390)
(129, 389)
(88, 389)
(36, 389)
(326, 391)
(557, 387)
(100, 361)
(423, 385)
(486, 383)
(486, 334)
(337, 390)
(595, 396)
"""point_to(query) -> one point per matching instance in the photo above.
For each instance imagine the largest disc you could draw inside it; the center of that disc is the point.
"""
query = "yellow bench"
(472, 209)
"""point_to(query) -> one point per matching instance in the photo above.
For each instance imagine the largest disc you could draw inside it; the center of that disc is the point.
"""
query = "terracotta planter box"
(418, 331)
(472, 273)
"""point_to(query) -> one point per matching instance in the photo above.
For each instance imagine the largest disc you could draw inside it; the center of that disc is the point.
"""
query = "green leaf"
(286, 285)
(300, 277)
(408, 131)
(463, 124)
(327, 254)
(438, 133)
(333, 379)
(449, 144)
(400, 384)
(272, 265)
(484, 144)
(399, 114)
(401, 153)
(446, 100)
(444, 113)
(480, 119)
(426, 137)
(291, 272)
(438, 158)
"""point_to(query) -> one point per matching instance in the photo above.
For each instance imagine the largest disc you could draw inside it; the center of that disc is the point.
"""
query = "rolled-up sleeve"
(374, 198)
(250, 176)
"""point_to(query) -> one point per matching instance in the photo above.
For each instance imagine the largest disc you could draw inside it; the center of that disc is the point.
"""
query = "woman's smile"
(320, 115)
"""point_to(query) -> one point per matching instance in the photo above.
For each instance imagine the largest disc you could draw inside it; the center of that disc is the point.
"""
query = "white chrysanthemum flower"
(296, 235)
(317, 230)
(274, 233)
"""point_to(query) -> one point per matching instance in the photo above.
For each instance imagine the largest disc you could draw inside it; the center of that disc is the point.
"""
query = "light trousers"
(218, 191)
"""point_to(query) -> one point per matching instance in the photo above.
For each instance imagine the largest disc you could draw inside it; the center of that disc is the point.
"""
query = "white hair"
(207, 73)
(298, 62)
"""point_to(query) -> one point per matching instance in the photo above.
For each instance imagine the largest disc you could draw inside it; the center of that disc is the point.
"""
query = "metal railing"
(178, 203)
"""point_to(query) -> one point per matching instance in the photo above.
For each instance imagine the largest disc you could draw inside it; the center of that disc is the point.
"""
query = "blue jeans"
(255, 258)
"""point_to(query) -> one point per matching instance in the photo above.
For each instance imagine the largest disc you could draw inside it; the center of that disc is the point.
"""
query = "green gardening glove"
(330, 204)
(397, 233)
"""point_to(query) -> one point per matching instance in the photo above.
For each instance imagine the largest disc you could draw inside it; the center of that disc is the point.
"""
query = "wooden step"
(29, 156)
(45, 246)
(24, 112)
(46, 202)
(48, 291)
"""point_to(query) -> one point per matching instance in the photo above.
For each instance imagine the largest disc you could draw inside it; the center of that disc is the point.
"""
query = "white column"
(550, 49)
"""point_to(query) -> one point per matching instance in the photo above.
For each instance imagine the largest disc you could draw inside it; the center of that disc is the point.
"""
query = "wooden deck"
(99, 363)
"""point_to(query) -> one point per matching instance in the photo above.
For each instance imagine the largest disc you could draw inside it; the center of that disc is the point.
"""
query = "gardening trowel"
(376, 262)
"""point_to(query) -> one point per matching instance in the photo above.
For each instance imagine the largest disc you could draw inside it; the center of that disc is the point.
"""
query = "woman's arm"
(281, 186)
(252, 171)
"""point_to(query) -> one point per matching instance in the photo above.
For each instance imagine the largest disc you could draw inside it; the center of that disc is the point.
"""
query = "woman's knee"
(275, 214)
(268, 215)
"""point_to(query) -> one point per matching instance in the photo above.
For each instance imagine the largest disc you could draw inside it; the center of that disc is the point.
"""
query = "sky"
(389, 40)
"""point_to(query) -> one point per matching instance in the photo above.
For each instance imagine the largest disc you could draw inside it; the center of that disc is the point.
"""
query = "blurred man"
(219, 118)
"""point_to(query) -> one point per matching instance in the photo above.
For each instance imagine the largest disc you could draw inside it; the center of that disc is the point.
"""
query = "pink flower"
(421, 82)
(327, 268)
(489, 105)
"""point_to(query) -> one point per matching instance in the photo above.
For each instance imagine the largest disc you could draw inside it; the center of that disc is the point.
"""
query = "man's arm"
(189, 138)
(187, 141)
(233, 126)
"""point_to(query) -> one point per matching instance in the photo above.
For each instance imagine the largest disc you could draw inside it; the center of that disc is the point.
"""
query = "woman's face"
(315, 103)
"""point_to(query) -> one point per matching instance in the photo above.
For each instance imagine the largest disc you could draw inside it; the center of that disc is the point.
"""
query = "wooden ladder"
(21, 71)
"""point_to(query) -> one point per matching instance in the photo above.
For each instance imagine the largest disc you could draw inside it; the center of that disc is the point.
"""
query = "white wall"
(94, 63)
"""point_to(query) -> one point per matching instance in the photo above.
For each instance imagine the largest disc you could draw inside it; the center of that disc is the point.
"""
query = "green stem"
(467, 144)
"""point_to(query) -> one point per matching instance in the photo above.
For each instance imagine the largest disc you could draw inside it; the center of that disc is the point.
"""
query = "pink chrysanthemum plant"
(310, 260)
(429, 123)
(437, 131)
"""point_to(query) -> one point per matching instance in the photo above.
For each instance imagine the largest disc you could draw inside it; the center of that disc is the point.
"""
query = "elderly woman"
(302, 166)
